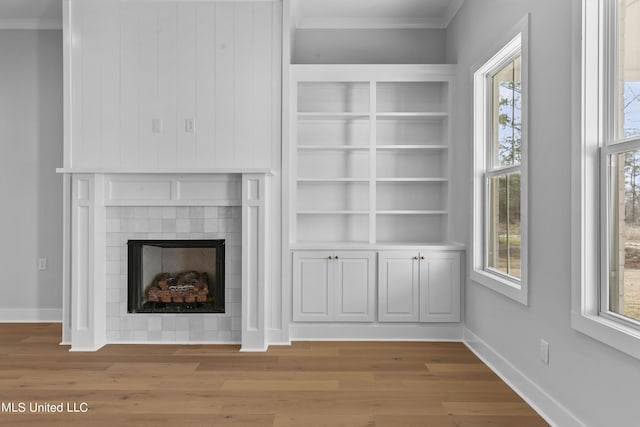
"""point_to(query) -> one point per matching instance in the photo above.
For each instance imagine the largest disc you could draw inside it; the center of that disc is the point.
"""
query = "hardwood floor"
(307, 384)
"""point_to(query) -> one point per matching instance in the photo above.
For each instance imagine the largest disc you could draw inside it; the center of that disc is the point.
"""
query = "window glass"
(504, 224)
(507, 115)
(624, 258)
(628, 103)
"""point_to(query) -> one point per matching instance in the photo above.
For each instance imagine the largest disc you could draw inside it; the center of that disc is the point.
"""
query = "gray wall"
(368, 47)
(595, 382)
(30, 191)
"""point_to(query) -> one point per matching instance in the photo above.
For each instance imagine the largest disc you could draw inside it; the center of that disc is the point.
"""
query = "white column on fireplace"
(85, 319)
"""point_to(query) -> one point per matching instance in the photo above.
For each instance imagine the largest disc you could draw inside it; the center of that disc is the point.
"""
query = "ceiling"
(31, 14)
(307, 14)
(378, 14)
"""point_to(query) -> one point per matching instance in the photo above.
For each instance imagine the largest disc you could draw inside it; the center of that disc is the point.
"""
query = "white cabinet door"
(354, 286)
(312, 286)
(398, 286)
(439, 287)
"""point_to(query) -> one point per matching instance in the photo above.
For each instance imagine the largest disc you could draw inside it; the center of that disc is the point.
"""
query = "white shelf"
(412, 180)
(332, 212)
(370, 157)
(332, 147)
(412, 115)
(333, 179)
(332, 116)
(410, 212)
(411, 147)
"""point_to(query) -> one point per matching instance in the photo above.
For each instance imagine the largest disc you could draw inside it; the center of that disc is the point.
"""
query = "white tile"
(224, 336)
(127, 212)
(113, 267)
(155, 324)
(113, 225)
(169, 336)
(211, 212)
(210, 225)
(236, 324)
(183, 212)
(113, 323)
(113, 295)
(196, 322)
(141, 212)
(113, 212)
(182, 225)
(196, 212)
(182, 336)
(168, 323)
(113, 253)
(210, 323)
(169, 212)
(210, 336)
(155, 212)
(182, 323)
(224, 323)
(169, 225)
(155, 225)
(196, 225)
(141, 225)
(155, 336)
(113, 336)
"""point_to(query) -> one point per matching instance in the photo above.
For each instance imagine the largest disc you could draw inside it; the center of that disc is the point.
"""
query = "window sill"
(608, 331)
(516, 291)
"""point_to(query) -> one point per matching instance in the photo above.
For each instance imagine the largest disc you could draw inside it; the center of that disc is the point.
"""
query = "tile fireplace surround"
(107, 209)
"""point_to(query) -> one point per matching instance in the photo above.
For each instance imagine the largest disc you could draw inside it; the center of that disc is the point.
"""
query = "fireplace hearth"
(176, 276)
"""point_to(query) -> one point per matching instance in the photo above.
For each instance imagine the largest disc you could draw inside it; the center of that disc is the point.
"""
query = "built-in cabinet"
(370, 159)
(333, 286)
(412, 286)
(369, 195)
(418, 286)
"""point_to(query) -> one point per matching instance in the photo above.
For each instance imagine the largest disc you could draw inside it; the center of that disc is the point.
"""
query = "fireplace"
(176, 276)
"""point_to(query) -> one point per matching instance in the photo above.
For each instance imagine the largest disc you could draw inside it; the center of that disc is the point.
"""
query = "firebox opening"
(176, 276)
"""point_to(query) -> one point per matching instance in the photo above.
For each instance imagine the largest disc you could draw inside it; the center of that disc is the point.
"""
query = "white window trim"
(516, 42)
(591, 65)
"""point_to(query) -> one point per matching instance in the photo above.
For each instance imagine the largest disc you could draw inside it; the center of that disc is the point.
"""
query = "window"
(499, 225)
(606, 289)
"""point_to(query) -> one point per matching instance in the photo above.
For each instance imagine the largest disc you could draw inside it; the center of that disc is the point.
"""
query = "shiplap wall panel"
(186, 84)
(224, 72)
(206, 85)
(110, 108)
(148, 102)
(167, 80)
(91, 73)
(130, 125)
(262, 78)
(214, 62)
(243, 84)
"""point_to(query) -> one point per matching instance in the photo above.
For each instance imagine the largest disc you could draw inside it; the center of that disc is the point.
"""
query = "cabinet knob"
(329, 257)
(421, 257)
(415, 257)
(335, 257)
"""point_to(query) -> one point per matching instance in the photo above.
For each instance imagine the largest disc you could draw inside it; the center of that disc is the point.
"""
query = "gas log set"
(187, 287)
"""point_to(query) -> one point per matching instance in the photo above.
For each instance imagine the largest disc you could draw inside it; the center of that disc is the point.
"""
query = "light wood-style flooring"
(307, 384)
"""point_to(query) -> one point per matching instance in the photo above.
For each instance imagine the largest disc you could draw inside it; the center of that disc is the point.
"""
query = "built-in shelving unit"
(370, 154)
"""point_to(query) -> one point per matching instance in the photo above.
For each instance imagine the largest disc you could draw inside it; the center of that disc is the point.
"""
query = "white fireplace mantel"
(89, 192)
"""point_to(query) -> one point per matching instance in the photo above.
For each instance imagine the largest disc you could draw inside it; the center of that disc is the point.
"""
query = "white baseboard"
(375, 332)
(30, 315)
(548, 408)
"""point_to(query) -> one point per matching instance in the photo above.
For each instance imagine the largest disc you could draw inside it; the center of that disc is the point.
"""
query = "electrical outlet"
(156, 125)
(544, 352)
(190, 125)
(42, 264)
